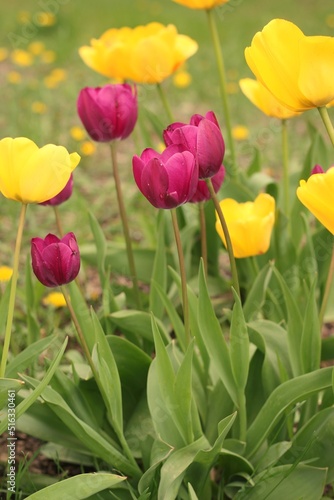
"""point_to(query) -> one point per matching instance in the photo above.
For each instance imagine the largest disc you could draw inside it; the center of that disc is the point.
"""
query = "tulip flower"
(55, 261)
(30, 174)
(108, 112)
(64, 194)
(260, 96)
(201, 4)
(144, 54)
(316, 194)
(249, 224)
(202, 192)
(297, 69)
(203, 138)
(168, 179)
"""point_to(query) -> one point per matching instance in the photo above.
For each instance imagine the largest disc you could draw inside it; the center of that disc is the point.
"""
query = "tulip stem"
(165, 102)
(222, 84)
(11, 304)
(229, 247)
(58, 222)
(326, 294)
(286, 184)
(204, 247)
(327, 122)
(125, 224)
(185, 303)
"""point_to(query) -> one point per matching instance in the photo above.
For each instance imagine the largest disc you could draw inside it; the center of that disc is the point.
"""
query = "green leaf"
(310, 347)
(257, 293)
(8, 385)
(183, 393)
(137, 323)
(29, 355)
(78, 487)
(4, 306)
(239, 345)
(159, 273)
(280, 399)
(82, 313)
(214, 340)
(101, 246)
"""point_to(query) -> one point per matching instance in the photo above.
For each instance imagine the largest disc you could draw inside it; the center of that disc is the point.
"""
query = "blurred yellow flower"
(330, 20)
(232, 88)
(264, 100)
(201, 4)
(36, 48)
(14, 77)
(317, 195)
(249, 224)
(39, 107)
(30, 174)
(77, 133)
(5, 273)
(48, 56)
(240, 133)
(88, 148)
(45, 19)
(182, 79)
(3, 53)
(297, 69)
(23, 16)
(22, 57)
(54, 299)
(145, 54)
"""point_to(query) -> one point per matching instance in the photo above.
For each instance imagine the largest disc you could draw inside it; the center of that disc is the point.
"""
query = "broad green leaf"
(285, 395)
(101, 246)
(82, 314)
(192, 494)
(214, 339)
(29, 355)
(183, 393)
(4, 306)
(257, 293)
(159, 273)
(78, 487)
(137, 323)
(39, 387)
(310, 347)
(271, 456)
(302, 482)
(239, 345)
(8, 386)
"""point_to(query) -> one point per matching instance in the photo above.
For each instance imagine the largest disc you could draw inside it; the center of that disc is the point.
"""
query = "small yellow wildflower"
(22, 57)
(88, 148)
(240, 133)
(54, 299)
(36, 48)
(23, 16)
(5, 273)
(3, 53)
(39, 107)
(59, 74)
(77, 133)
(45, 19)
(14, 77)
(48, 56)
(182, 79)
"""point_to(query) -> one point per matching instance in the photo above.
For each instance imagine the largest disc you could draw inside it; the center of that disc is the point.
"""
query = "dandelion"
(22, 57)
(54, 299)
(5, 273)
(240, 132)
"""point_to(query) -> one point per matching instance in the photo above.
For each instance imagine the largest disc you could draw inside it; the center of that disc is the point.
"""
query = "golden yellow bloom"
(3, 53)
(30, 174)
(54, 299)
(36, 48)
(5, 273)
(250, 224)
(48, 56)
(22, 57)
(145, 54)
(240, 132)
(45, 19)
(14, 77)
(88, 148)
(264, 100)
(201, 4)
(182, 79)
(39, 107)
(297, 69)
(317, 195)
(77, 133)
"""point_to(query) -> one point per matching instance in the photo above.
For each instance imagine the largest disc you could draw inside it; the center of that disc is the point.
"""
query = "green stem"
(185, 303)
(58, 222)
(229, 247)
(165, 102)
(327, 122)
(125, 224)
(285, 154)
(204, 246)
(326, 294)
(222, 84)
(11, 304)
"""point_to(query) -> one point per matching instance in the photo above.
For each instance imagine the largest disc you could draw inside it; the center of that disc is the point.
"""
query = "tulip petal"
(210, 148)
(155, 182)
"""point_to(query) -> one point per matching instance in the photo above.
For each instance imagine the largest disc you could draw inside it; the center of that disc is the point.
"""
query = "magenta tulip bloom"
(203, 138)
(108, 112)
(55, 261)
(64, 194)
(168, 179)
(202, 193)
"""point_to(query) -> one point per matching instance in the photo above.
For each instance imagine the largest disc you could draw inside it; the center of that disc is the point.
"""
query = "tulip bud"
(108, 112)
(203, 138)
(64, 194)
(168, 179)
(55, 261)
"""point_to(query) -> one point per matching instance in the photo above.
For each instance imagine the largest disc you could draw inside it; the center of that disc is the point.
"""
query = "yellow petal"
(317, 195)
(274, 58)
(201, 4)
(264, 100)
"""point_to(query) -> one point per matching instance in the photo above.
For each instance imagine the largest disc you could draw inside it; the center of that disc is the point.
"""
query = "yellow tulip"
(317, 195)
(201, 4)
(297, 69)
(264, 100)
(30, 174)
(145, 54)
(249, 224)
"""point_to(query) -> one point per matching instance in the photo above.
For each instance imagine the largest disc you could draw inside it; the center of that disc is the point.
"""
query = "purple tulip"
(109, 112)
(55, 261)
(168, 179)
(64, 194)
(203, 138)
(202, 193)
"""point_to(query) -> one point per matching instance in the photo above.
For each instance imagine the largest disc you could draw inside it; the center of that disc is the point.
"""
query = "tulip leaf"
(137, 323)
(257, 293)
(78, 487)
(101, 245)
(159, 273)
(4, 301)
(8, 385)
(310, 347)
(82, 313)
(214, 339)
(239, 345)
